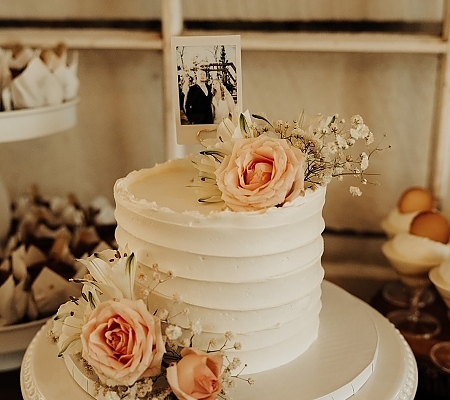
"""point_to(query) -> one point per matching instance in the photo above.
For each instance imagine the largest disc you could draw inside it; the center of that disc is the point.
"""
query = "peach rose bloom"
(196, 375)
(122, 342)
(260, 173)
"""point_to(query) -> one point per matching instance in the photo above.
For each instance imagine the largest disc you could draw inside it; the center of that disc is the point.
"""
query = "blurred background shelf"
(107, 39)
(83, 38)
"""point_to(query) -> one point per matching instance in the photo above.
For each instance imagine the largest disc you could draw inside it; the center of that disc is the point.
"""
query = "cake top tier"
(170, 188)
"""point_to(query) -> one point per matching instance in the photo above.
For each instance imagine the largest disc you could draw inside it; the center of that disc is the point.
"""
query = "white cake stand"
(37, 122)
(321, 373)
(20, 125)
(14, 340)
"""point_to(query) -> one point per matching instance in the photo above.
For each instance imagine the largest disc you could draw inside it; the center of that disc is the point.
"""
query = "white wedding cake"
(218, 274)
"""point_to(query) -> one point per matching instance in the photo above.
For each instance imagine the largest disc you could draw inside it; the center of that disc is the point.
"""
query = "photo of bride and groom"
(207, 83)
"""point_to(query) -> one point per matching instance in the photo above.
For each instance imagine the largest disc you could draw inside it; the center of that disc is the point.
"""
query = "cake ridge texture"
(257, 273)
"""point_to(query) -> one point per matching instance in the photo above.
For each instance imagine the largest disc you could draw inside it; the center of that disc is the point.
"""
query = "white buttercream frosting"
(420, 249)
(257, 274)
(397, 222)
(444, 270)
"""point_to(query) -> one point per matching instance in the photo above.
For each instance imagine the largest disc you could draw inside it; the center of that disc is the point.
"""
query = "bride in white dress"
(222, 101)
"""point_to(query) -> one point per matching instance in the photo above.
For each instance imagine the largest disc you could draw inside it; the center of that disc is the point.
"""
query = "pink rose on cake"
(260, 173)
(122, 342)
(196, 376)
(256, 164)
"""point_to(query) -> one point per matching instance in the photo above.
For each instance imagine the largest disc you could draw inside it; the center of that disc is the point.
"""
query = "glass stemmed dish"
(440, 352)
(414, 275)
(411, 202)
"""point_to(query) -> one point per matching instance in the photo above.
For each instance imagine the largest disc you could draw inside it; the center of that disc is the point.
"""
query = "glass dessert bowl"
(413, 255)
(440, 277)
(411, 202)
(414, 276)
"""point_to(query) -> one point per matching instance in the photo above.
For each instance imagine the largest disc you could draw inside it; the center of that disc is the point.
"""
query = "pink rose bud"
(196, 376)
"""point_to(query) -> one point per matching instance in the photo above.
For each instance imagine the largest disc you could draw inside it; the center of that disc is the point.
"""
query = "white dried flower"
(173, 332)
(235, 363)
(231, 384)
(364, 161)
(332, 147)
(196, 328)
(163, 314)
(156, 276)
(141, 277)
(355, 191)
(356, 120)
(226, 374)
(177, 298)
(341, 142)
(370, 139)
(327, 177)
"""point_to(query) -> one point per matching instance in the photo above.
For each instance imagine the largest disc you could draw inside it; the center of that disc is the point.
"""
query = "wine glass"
(440, 352)
(414, 275)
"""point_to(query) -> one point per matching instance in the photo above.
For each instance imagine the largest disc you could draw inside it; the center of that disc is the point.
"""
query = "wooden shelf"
(106, 39)
(250, 41)
(337, 42)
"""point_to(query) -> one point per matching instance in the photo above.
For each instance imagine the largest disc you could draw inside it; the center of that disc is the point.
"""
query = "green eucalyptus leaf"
(257, 116)
(217, 155)
(244, 125)
(91, 300)
(211, 199)
(130, 270)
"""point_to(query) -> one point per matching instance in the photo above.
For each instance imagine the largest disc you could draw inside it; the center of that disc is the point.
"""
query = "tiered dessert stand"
(20, 125)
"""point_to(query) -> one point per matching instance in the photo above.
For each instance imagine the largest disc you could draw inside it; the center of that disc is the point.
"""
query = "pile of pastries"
(31, 78)
(48, 235)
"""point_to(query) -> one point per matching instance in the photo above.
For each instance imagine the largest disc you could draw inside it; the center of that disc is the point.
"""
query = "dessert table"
(387, 367)
(433, 384)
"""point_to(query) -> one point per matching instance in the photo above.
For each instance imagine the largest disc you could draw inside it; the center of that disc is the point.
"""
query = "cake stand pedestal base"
(386, 368)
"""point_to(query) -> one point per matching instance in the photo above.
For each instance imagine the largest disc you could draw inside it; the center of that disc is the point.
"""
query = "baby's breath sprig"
(229, 379)
(326, 143)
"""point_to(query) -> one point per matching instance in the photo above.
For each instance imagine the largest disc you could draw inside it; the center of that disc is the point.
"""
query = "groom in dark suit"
(198, 101)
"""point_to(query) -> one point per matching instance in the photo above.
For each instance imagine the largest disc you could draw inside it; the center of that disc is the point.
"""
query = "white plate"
(37, 122)
(14, 340)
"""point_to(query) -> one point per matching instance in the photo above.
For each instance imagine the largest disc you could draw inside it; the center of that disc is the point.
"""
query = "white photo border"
(187, 134)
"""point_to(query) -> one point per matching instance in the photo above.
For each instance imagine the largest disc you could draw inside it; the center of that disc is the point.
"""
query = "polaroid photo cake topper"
(207, 83)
